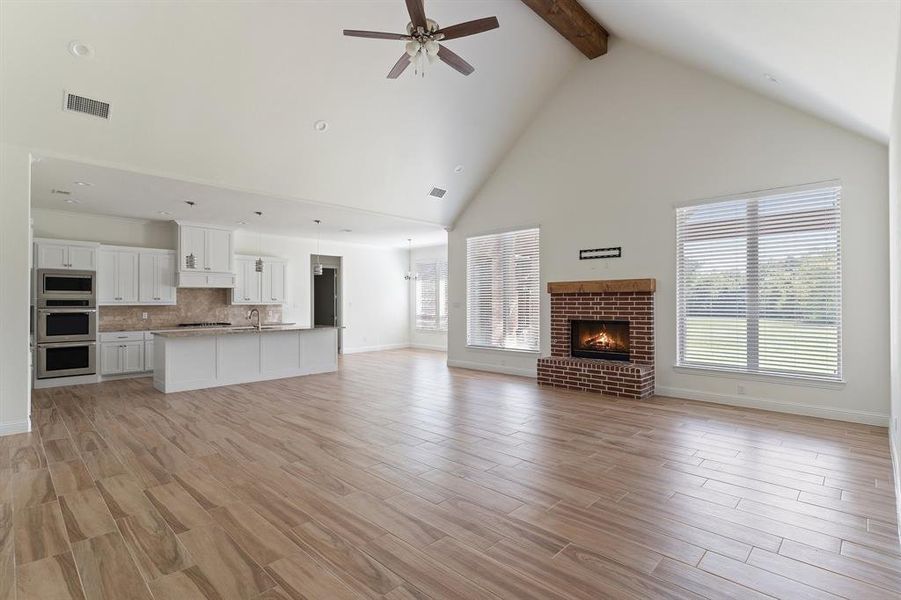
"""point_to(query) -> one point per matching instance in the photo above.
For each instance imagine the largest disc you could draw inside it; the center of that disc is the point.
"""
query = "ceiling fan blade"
(455, 61)
(399, 66)
(379, 35)
(417, 13)
(469, 28)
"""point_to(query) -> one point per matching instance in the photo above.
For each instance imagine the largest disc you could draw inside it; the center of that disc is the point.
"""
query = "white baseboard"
(491, 368)
(437, 347)
(825, 412)
(375, 348)
(11, 427)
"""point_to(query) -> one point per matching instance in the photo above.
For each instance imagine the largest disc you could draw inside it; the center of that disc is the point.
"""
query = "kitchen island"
(212, 357)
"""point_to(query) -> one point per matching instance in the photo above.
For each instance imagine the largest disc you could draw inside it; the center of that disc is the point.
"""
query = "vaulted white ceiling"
(832, 58)
(227, 93)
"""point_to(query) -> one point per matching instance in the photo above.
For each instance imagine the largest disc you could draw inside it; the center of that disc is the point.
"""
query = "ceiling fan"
(422, 39)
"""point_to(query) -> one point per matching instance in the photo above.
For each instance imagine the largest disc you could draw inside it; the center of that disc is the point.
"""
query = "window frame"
(537, 292)
(441, 307)
(753, 282)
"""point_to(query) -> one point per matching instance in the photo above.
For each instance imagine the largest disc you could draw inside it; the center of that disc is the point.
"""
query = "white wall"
(432, 340)
(376, 303)
(895, 258)
(629, 135)
(375, 294)
(15, 380)
(71, 225)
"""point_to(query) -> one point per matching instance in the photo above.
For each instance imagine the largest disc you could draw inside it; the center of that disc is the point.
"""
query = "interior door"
(325, 298)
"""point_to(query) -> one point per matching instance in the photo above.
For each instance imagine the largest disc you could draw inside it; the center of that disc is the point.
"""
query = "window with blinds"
(502, 290)
(431, 295)
(759, 283)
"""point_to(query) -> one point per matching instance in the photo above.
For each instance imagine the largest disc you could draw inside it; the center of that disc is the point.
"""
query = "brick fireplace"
(609, 326)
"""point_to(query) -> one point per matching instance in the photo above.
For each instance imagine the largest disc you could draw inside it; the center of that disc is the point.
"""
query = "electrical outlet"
(144, 316)
(741, 389)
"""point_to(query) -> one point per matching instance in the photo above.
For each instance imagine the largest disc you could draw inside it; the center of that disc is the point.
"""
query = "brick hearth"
(629, 300)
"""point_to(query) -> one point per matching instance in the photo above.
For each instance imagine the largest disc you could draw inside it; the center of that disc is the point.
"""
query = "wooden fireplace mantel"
(602, 285)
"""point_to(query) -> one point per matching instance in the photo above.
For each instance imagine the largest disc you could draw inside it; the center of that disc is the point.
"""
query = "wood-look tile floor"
(400, 478)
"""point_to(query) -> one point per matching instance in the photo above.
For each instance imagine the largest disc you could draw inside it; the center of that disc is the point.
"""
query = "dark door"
(324, 298)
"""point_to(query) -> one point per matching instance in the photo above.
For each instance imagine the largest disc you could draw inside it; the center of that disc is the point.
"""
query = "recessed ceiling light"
(320, 126)
(241, 222)
(80, 49)
(83, 183)
(770, 78)
(165, 212)
(63, 192)
(458, 169)
(346, 230)
(72, 201)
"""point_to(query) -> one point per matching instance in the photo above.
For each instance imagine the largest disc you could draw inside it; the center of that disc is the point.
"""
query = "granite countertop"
(200, 331)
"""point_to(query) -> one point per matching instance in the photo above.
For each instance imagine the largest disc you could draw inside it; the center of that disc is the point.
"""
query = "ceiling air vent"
(88, 106)
(437, 192)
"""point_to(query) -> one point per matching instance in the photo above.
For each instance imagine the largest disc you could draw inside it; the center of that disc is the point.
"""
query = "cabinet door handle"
(206, 268)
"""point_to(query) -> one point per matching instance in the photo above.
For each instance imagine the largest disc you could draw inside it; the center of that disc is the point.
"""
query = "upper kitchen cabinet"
(59, 254)
(156, 284)
(205, 256)
(275, 275)
(117, 275)
(253, 287)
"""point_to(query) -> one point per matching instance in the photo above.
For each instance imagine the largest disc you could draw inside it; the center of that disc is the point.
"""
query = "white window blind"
(431, 295)
(759, 283)
(502, 290)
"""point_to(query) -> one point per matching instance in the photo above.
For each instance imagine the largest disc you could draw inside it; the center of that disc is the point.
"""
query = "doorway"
(326, 294)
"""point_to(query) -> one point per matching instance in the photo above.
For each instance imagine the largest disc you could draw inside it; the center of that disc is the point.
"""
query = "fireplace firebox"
(600, 339)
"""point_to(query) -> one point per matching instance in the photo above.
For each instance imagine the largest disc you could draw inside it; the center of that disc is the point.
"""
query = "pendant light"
(410, 274)
(317, 266)
(258, 265)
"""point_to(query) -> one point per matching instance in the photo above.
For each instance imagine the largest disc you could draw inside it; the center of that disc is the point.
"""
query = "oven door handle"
(67, 310)
(65, 345)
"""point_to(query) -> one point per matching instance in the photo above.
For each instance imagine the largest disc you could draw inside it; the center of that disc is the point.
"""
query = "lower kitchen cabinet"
(123, 352)
(117, 358)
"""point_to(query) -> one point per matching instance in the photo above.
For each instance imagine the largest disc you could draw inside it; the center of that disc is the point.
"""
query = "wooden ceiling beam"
(574, 23)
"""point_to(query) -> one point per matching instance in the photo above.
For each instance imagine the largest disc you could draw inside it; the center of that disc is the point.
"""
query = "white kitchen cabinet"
(157, 278)
(56, 254)
(251, 287)
(203, 249)
(218, 256)
(118, 358)
(109, 359)
(82, 258)
(132, 357)
(275, 275)
(247, 282)
(117, 276)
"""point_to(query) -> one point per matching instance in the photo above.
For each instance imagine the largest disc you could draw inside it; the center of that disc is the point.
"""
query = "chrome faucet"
(255, 311)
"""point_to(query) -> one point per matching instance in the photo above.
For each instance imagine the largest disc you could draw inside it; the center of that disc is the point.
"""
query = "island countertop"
(205, 331)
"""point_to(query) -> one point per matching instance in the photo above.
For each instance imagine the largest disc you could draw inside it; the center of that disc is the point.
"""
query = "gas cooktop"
(205, 324)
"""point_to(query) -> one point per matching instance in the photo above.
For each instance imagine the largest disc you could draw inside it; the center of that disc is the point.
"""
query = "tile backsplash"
(193, 306)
